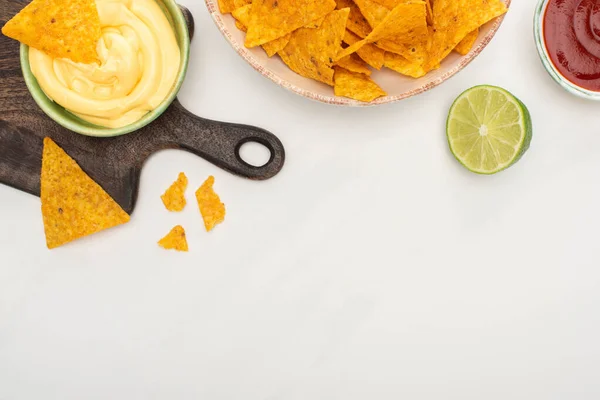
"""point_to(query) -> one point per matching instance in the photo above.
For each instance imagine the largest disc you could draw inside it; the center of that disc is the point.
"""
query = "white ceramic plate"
(397, 86)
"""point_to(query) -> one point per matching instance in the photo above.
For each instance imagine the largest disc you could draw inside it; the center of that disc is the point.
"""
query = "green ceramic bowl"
(76, 124)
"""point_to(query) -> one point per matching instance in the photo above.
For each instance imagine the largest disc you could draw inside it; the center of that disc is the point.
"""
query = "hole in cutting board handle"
(251, 152)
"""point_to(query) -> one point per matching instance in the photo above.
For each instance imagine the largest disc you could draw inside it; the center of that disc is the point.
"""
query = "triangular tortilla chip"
(369, 53)
(175, 240)
(272, 19)
(73, 205)
(455, 19)
(354, 63)
(465, 45)
(60, 28)
(211, 208)
(405, 24)
(403, 66)
(226, 6)
(311, 52)
(242, 16)
(357, 23)
(174, 196)
(356, 86)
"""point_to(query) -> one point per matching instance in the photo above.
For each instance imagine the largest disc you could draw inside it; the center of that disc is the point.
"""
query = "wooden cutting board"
(115, 163)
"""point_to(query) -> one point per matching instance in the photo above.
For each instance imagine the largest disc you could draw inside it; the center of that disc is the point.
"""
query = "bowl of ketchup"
(567, 35)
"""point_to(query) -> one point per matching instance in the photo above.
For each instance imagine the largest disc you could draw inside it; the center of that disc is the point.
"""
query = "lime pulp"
(488, 129)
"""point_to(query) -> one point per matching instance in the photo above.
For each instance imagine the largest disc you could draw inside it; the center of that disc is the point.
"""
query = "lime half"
(488, 129)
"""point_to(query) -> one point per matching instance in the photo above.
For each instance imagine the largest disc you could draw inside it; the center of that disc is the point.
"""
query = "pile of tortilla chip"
(339, 42)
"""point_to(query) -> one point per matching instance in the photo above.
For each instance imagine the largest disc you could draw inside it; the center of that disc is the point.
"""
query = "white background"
(372, 267)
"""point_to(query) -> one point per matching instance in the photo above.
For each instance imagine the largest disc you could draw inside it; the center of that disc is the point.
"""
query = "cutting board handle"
(220, 142)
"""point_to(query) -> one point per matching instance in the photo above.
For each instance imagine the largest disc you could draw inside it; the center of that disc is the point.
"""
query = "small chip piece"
(465, 45)
(356, 86)
(73, 205)
(311, 52)
(175, 240)
(60, 28)
(211, 208)
(355, 64)
(174, 196)
(272, 19)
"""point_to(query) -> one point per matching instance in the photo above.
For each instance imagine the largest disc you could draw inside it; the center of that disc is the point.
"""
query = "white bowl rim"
(216, 15)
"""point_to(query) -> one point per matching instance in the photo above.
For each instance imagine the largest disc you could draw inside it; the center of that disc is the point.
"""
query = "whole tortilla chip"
(356, 86)
(405, 24)
(368, 52)
(60, 28)
(242, 16)
(465, 45)
(272, 19)
(403, 66)
(454, 19)
(311, 52)
(174, 196)
(73, 205)
(357, 23)
(174, 240)
(353, 63)
(211, 208)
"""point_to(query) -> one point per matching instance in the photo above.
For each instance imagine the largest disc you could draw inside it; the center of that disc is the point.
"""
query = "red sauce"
(572, 36)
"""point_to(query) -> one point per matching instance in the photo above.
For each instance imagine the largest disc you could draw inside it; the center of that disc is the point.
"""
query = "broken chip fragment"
(210, 205)
(174, 196)
(174, 240)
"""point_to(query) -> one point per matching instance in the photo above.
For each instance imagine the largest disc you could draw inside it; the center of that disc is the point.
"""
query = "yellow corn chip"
(373, 12)
(429, 12)
(406, 23)
(175, 240)
(465, 45)
(454, 19)
(368, 52)
(275, 46)
(211, 208)
(353, 63)
(240, 3)
(315, 24)
(226, 6)
(242, 16)
(311, 52)
(60, 28)
(356, 86)
(357, 23)
(240, 26)
(73, 205)
(403, 66)
(174, 196)
(272, 19)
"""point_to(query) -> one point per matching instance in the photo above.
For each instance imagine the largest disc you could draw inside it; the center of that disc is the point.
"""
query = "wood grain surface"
(115, 163)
